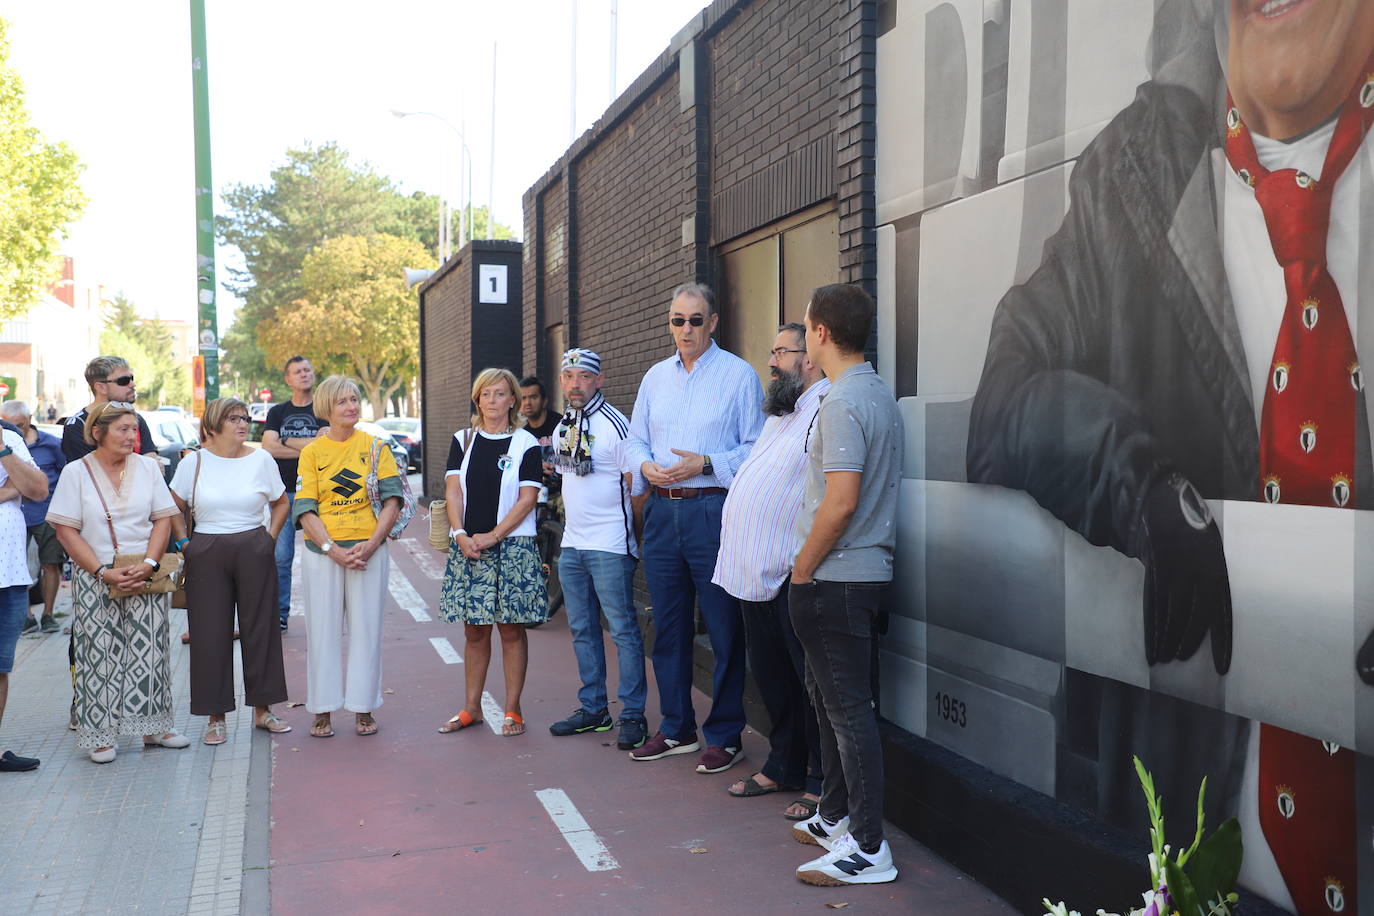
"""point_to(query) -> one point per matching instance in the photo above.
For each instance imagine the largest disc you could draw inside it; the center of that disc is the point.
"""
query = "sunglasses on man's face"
(695, 321)
(122, 380)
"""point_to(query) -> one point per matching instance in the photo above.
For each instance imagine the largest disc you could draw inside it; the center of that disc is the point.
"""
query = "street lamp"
(443, 223)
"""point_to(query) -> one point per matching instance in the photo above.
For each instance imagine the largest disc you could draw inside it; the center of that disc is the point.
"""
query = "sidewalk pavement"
(408, 820)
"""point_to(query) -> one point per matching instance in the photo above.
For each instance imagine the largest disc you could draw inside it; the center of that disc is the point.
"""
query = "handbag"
(438, 524)
(408, 502)
(179, 599)
(168, 576)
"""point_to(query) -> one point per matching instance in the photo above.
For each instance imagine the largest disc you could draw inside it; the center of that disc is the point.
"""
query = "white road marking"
(446, 651)
(587, 846)
(406, 595)
(425, 557)
(297, 595)
(492, 713)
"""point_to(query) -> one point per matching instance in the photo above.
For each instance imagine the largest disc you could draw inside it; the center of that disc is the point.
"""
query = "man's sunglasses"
(695, 321)
(122, 380)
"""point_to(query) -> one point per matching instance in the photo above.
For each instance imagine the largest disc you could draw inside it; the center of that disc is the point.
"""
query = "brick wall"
(446, 363)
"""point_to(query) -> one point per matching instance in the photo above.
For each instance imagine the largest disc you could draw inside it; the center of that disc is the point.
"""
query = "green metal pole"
(207, 326)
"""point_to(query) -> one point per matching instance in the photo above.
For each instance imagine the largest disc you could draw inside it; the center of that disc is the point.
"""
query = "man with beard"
(758, 540)
(597, 562)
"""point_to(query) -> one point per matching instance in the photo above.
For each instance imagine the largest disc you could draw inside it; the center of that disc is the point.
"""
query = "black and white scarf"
(573, 451)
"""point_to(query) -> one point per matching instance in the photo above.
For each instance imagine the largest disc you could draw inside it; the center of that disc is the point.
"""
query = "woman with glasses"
(114, 502)
(228, 488)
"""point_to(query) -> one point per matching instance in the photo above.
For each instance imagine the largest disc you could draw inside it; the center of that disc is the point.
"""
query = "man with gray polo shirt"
(598, 557)
(840, 575)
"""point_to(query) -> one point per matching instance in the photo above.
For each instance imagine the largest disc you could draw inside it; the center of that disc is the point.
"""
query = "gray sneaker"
(48, 625)
(30, 627)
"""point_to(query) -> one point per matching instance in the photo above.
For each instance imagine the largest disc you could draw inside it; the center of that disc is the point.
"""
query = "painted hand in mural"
(1187, 589)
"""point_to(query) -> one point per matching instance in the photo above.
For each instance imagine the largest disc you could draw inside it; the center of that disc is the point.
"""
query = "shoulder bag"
(167, 578)
(408, 502)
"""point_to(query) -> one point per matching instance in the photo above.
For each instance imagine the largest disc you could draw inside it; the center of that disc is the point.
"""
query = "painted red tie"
(1307, 457)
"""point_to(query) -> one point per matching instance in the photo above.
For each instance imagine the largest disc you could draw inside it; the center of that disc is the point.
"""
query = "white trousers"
(333, 594)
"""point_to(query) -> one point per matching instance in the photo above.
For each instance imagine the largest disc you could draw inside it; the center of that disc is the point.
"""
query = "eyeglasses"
(695, 321)
(779, 352)
(236, 418)
(122, 380)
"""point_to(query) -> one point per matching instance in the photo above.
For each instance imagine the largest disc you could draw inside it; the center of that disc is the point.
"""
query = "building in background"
(43, 354)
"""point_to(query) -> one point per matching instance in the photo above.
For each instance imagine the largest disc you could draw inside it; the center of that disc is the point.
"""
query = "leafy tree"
(356, 312)
(39, 196)
(480, 215)
(148, 348)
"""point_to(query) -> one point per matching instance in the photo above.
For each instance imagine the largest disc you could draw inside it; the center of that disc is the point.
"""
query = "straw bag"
(438, 524)
(167, 578)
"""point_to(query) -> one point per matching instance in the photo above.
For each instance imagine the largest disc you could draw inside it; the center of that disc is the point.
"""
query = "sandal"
(366, 726)
(272, 723)
(458, 722)
(216, 733)
(512, 720)
(753, 787)
(808, 804)
(322, 728)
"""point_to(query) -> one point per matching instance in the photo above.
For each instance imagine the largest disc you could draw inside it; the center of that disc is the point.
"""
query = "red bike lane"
(410, 820)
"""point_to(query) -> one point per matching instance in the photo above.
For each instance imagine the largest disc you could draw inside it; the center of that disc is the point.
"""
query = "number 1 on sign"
(491, 280)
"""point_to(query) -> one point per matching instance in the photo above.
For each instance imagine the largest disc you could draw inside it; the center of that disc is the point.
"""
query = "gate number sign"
(491, 284)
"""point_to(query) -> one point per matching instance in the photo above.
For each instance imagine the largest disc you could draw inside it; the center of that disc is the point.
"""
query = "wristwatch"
(706, 466)
(153, 563)
(326, 547)
(454, 532)
(100, 570)
(6, 452)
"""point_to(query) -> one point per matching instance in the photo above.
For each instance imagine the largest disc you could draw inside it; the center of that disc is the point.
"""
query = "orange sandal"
(458, 722)
(511, 721)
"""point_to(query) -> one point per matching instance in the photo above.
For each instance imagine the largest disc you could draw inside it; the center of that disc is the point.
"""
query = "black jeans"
(837, 624)
(779, 666)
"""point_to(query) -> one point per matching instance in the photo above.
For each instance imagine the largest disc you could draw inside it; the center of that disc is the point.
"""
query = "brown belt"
(686, 492)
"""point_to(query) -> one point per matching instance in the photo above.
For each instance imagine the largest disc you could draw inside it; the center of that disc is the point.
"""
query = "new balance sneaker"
(30, 627)
(582, 721)
(660, 745)
(719, 759)
(817, 831)
(846, 863)
(634, 731)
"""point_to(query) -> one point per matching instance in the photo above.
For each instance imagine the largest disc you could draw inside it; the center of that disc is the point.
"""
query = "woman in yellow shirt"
(344, 570)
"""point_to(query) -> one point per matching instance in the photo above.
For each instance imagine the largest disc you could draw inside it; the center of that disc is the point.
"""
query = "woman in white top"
(122, 682)
(493, 576)
(230, 562)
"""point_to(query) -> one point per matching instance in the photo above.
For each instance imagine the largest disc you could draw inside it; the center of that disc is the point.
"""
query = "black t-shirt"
(74, 437)
(544, 433)
(291, 422)
(482, 485)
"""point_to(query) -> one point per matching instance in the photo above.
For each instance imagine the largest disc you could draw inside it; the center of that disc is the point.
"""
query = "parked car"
(407, 432)
(173, 435)
(398, 451)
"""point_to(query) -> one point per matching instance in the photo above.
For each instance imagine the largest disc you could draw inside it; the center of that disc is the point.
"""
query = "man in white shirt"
(597, 564)
(19, 477)
(758, 540)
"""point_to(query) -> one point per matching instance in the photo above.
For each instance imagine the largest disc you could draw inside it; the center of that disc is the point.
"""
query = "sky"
(114, 81)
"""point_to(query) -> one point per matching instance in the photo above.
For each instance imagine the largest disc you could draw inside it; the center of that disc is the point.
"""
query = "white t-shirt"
(232, 492)
(142, 499)
(597, 506)
(14, 563)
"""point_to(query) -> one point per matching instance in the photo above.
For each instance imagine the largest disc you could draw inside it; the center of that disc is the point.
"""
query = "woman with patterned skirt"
(493, 575)
(115, 501)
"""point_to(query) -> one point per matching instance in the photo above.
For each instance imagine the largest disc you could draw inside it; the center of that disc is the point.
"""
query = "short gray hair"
(16, 409)
(700, 291)
(796, 327)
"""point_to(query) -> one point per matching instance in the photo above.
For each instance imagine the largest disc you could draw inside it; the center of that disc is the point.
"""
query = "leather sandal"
(272, 723)
(366, 725)
(216, 733)
(321, 727)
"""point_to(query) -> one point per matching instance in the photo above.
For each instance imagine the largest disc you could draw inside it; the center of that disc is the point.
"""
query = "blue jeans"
(597, 582)
(14, 610)
(681, 540)
(286, 553)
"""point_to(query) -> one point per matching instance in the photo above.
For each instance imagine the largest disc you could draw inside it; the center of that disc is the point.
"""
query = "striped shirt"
(715, 410)
(758, 537)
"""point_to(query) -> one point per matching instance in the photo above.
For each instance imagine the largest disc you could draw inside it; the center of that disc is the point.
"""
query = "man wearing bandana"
(597, 562)
(1193, 333)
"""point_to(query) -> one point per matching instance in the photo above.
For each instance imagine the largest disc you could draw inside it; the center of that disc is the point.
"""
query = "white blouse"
(232, 492)
(142, 499)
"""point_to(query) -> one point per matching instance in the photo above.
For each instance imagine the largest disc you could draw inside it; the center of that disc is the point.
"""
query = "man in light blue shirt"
(695, 418)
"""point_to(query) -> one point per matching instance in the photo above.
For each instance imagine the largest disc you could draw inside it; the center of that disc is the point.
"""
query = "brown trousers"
(224, 571)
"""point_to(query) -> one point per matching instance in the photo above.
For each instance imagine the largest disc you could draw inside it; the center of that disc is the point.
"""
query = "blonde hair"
(101, 416)
(329, 391)
(486, 379)
(212, 422)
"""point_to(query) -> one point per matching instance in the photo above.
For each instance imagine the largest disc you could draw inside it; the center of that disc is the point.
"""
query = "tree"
(356, 312)
(148, 348)
(39, 196)
(480, 215)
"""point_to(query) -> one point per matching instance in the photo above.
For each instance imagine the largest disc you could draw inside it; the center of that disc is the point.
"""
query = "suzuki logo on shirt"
(346, 483)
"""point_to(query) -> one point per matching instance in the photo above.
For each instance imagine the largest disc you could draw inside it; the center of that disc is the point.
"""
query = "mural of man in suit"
(1194, 333)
